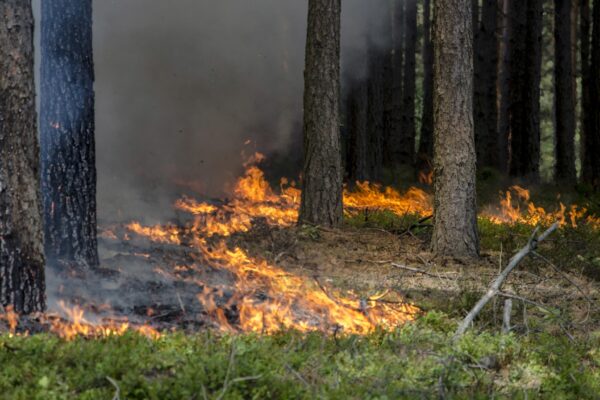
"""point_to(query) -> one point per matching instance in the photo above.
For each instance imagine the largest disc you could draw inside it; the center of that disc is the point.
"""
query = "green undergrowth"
(416, 361)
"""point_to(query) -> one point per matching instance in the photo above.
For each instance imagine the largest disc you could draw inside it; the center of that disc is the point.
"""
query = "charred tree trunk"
(408, 129)
(525, 75)
(563, 93)
(455, 230)
(486, 76)
(67, 133)
(22, 283)
(504, 88)
(322, 178)
(357, 128)
(375, 114)
(425, 156)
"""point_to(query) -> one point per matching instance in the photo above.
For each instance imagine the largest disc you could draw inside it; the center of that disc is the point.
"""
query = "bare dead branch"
(497, 284)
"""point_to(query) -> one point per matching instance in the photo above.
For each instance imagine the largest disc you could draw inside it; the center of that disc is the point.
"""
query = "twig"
(497, 284)
(180, 302)
(540, 305)
(418, 224)
(117, 395)
(420, 271)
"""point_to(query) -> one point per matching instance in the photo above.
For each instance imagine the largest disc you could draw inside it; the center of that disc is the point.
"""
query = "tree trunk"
(375, 113)
(563, 93)
(321, 202)
(425, 156)
(395, 142)
(594, 102)
(407, 145)
(455, 230)
(357, 128)
(486, 100)
(22, 283)
(525, 76)
(504, 89)
(67, 133)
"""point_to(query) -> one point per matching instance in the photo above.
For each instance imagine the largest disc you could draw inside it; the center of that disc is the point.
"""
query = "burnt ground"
(157, 284)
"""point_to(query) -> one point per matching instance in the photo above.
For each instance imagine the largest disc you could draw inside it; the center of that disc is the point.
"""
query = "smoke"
(181, 85)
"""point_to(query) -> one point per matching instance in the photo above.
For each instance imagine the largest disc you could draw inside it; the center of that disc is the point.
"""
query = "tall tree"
(455, 230)
(394, 144)
(357, 128)
(408, 128)
(67, 132)
(375, 112)
(594, 100)
(485, 108)
(425, 154)
(525, 25)
(22, 283)
(322, 178)
(564, 93)
(503, 85)
(590, 163)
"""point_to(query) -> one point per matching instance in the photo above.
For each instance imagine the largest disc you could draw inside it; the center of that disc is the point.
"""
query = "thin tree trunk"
(565, 103)
(425, 155)
(408, 129)
(375, 113)
(395, 142)
(455, 230)
(357, 128)
(322, 178)
(486, 76)
(67, 133)
(22, 283)
(590, 143)
(594, 103)
(504, 89)
(525, 76)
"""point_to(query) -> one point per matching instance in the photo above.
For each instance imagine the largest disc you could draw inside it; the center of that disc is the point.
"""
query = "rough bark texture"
(67, 133)
(22, 283)
(407, 145)
(563, 94)
(455, 230)
(425, 155)
(525, 24)
(590, 144)
(357, 129)
(504, 88)
(322, 178)
(485, 108)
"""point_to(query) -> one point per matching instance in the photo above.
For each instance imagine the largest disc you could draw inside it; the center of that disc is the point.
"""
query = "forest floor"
(552, 351)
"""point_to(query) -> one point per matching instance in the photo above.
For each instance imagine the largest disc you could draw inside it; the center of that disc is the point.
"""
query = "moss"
(418, 360)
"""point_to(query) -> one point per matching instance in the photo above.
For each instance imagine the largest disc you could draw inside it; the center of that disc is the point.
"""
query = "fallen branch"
(533, 243)
(419, 224)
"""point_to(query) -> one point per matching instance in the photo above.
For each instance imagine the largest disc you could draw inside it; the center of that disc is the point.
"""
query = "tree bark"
(357, 128)
(22, 283)
(455, 229)
(594, 102)
(375, 113)
(525, 24)
(485, 108)
(425, 155)
(67, 133)
(564, 101)
(504, 89)
(394, 142)
(321, 202)
(590, 145)
(408, 129)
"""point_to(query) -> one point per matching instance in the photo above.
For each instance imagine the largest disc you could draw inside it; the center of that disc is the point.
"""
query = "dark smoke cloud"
(181, 85)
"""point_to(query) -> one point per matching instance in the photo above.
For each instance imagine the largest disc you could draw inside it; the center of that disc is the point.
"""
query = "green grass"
(416, 361)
